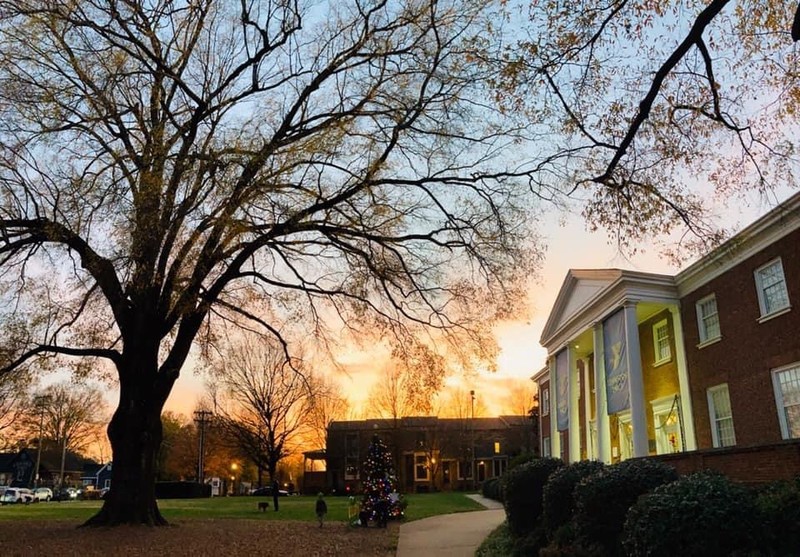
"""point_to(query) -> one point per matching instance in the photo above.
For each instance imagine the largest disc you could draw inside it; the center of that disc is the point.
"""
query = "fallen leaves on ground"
(251, 538)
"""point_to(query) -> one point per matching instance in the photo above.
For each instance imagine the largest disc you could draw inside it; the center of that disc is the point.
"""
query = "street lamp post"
(472, 423)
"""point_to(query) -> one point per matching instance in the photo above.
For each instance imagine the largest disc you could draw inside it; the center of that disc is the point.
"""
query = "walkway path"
(450, 535)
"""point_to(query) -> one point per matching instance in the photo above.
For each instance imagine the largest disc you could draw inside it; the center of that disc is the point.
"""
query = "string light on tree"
(380, 483)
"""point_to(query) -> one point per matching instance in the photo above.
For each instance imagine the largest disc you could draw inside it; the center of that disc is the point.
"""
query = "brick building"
(702, 367)
(430, 454)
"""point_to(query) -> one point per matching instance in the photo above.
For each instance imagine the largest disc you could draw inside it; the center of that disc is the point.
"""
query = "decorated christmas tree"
(381, 500)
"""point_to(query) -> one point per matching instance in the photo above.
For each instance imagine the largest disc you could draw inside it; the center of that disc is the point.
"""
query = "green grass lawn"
(291, 508)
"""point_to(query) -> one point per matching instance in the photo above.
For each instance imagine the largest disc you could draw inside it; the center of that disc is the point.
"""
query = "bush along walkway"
(450, 535)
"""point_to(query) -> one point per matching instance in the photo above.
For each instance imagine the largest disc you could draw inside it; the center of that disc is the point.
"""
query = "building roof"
(481, 423)
(779, 222)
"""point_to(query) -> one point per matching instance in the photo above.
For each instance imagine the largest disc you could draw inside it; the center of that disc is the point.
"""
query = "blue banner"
(616, 362)
(562, 394)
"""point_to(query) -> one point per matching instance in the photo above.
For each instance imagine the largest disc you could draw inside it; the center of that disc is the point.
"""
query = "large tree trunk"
(135, 434)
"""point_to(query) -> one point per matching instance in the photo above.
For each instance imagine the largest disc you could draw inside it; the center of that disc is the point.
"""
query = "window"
(499, 466)
(464, 470)
(708, 319)
(771, 286)
(661, 342)
(351, 456)
(545, 402)
(107, 484)
(420, 467)
(721, 415)
(497, 447)
(545, 446)
(667, 419)
(787, 398)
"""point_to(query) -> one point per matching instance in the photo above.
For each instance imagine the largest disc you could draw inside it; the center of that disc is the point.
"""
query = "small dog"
(263, 505)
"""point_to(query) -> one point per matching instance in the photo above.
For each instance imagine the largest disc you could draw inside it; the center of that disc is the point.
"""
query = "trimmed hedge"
(523, 487)
(779, 509)
(493, 488)
(182, 490)
(559, 501)
(702, 515)
(602, 500)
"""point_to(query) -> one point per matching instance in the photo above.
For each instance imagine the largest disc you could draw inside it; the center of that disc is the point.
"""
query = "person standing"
(321, 509)
(275, 488)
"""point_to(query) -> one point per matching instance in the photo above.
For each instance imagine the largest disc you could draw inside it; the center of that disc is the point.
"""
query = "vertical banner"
(562, 385)
(616, 361)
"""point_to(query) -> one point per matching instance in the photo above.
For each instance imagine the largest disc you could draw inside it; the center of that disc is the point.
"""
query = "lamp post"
(472, 423)
(234, 468)
(40, 402)
(202, 417)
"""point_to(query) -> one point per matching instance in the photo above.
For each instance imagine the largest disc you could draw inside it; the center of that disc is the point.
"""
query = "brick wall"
(748, 351)
(753, 465)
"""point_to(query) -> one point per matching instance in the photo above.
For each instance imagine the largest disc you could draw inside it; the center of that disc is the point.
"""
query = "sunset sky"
(569, 246)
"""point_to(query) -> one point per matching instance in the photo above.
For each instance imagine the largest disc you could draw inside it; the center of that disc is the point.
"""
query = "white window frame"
(702, 328)
(546, 401)
(546, 449)
(657, 357)
(762, 303)
(779, 402)
(667, 421)
(714, 418)
(625, 439)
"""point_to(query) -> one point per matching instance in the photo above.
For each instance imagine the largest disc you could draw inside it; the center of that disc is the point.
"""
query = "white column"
(555, 437)
(603, 429)
(683, 380)
(641, 446)
(574, 408)
(587, 412)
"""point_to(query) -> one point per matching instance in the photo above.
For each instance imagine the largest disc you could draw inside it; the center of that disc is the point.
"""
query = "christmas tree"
(381, 500)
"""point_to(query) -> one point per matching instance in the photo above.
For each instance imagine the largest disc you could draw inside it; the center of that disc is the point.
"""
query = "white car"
(17, 495)
(42, 494)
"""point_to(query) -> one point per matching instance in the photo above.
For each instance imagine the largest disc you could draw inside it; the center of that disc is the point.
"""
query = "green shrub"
(702, 515)
(559, 502)
(522, 458)
(779, 509)
(602, 500)
(523, 487)
(493, 489)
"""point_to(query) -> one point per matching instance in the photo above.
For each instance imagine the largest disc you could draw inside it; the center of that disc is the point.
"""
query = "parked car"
(65, 494)
(43, 494)
(17, 495)
(266, 491)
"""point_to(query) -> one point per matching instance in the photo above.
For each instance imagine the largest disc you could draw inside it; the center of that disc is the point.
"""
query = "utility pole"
(472, 423)
(39, 403)
(202, 417)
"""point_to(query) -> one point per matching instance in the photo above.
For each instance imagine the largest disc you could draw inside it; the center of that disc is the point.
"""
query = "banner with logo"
(616, 362)
(562, 385)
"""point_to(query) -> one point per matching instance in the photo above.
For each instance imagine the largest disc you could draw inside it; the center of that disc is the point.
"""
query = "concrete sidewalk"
(450, 535)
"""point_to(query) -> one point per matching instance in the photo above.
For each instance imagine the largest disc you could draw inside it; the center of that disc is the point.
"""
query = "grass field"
(291, 508)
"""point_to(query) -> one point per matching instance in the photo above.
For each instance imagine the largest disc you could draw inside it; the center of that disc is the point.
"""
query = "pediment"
(579, 287)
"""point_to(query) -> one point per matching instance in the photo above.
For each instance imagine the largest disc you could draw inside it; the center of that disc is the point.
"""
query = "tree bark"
(135, 434)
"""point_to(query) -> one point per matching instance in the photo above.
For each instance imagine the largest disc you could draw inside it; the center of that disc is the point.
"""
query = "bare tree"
(163, 164)
(646, 110)
(263, 401)
(72, 415)
(325, 404)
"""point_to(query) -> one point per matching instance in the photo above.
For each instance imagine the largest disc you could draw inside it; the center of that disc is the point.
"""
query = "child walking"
(322, 509)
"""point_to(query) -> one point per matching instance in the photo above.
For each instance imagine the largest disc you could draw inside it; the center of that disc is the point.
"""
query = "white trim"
(779, 405)
(661, 406)
(762, 304)
(774, 314)
(708, 342)
(777, 223)
(657, 361)
(713, 417)
(702, 330)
